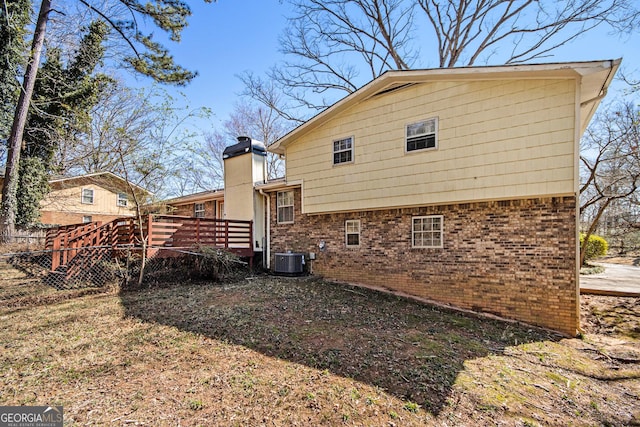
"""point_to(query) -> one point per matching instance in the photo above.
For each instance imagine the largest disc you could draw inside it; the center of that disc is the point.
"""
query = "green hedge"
(596, 246)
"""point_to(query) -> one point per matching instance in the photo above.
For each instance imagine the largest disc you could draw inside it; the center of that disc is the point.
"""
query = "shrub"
(215, 263)
(199, 263)
(596, 246)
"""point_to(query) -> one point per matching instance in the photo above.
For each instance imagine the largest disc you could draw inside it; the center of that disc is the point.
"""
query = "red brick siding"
(515, 258)
(69, 218)
(189, 209)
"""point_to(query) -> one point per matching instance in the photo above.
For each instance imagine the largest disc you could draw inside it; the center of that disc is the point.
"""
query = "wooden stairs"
(77, 249)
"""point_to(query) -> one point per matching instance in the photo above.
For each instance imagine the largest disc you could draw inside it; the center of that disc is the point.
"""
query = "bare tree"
(209, 166)
(268, 93)
(519, 30)
(143, 133)
(142, 240)
(263, 124)
(620, 225)
(610, 165)
(332, 42)
(332, 47)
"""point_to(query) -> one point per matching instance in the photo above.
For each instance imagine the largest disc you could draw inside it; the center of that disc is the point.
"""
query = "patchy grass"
(611, 316)
(26, 280)
(271, 351)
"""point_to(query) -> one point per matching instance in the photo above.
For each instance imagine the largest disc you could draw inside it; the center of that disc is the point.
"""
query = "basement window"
(422, 135)
(87, 196)
(352, 232)
(285, 207)
(426, 231)
(86, 219)
(343, 151)
(198, 210)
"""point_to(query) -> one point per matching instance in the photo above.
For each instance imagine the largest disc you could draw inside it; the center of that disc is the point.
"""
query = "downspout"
(603, 90)
(267, 246)
(603, 93)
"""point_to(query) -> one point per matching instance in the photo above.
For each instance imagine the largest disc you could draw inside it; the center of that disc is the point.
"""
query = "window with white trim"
(285, 207)
(123, 199)
(426, 231)
(198, 210)
(87, 196)
(343, 151)
(86, 219)
(352, 232)
(422, 135)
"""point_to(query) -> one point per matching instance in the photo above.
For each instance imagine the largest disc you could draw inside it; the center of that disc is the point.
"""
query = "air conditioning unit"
(289, 263)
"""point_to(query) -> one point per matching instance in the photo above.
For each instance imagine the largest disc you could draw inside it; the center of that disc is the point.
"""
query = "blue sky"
(229, 37)
(223, 40)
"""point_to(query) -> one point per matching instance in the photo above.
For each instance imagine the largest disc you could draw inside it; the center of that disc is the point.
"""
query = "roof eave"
(594, 86)
(394, 77)
(192, 198)
(277, 185)
(111, 175)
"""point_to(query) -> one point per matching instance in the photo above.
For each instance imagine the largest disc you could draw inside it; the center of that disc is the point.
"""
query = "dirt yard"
(278, 352)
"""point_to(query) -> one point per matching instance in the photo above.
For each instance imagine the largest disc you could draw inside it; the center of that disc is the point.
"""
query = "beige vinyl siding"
(241, 200)
(105, 202)
(238, 192)
(496, 139)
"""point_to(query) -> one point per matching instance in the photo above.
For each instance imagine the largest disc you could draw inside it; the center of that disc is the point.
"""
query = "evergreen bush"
(597, 246)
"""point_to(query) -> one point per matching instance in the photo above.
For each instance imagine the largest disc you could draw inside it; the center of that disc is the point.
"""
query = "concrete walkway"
(617, 279)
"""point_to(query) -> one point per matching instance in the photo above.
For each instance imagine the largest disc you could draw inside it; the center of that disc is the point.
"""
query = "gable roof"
(97, 177)
(594, 78)
(196, 197)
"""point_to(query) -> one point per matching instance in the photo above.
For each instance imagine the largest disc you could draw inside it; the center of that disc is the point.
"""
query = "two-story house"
(101, 196)
(453, 185)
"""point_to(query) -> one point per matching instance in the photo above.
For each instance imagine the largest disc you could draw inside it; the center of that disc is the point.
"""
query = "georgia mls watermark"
(30, 416)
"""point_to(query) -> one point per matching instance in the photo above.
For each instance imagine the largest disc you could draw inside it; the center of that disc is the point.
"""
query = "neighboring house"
(206, 204)
(100, 196)
(454, 185)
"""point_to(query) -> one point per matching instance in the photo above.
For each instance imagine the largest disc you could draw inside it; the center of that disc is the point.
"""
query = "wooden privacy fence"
(160, 231)
(30, 236)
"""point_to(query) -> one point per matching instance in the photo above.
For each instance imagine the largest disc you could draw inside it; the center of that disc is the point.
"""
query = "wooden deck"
(159, 231)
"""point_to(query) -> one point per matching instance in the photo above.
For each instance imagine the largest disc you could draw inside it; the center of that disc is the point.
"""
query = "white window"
(86, 219)
(343, 151)
(198, 210)
(422, 135)
(285, 207)
(426, 231)
(87, 196)
(352, 232)
(123, 200)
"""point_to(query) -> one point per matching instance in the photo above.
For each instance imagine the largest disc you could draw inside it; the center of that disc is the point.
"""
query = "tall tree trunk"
(145, 241)
(9, 201)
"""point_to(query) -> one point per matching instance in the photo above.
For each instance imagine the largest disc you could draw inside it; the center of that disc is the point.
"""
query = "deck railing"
(159, 231)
